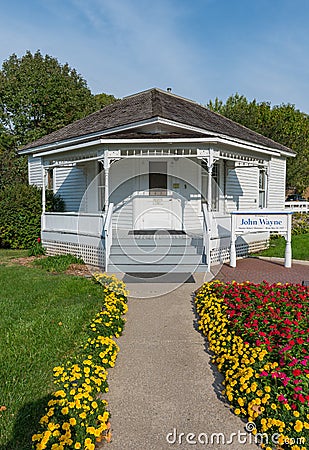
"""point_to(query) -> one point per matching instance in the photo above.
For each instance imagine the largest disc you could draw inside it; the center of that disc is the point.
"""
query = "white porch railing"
(206, 235)
(108, 233)
(87, 224)
(302, 207)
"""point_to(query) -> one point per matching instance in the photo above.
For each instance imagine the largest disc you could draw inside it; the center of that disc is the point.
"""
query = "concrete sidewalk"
(163, 380)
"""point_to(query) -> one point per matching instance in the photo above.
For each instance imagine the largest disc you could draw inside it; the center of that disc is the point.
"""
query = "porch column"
(106, 180)
(43, 197)
(210, 164)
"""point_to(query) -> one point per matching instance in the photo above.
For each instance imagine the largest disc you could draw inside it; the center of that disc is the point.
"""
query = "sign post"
(259, 221)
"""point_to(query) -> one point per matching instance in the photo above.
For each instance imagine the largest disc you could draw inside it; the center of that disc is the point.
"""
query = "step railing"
(206, 235)
(108, 234)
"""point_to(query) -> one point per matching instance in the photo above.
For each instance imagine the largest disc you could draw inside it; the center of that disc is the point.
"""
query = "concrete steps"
(156, 254)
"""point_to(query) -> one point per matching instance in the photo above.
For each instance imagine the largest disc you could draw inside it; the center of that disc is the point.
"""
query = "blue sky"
(202, 49)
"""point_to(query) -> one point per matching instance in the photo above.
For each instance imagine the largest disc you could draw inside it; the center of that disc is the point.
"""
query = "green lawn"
(42, 320)
(300, 247)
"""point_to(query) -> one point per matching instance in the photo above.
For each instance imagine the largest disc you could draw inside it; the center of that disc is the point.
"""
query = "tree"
(39, 95)
(102, 100)
(282, 123)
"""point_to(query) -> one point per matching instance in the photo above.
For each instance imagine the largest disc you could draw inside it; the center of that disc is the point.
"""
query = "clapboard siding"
(35, 171)
(70, 184)
(276, 184)
(242, 188)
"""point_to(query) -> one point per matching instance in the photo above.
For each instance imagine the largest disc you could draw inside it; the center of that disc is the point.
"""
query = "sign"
(259, 221)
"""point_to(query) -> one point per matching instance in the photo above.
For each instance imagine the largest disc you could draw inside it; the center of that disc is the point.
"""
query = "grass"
(300, 247)
(7, 255)
(42, 321)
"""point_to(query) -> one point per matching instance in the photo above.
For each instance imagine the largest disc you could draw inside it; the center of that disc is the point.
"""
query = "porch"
(97, 240)
(189, 190)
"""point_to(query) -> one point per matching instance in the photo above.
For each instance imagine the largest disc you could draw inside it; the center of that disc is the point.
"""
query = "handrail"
(206, 235)
(108, 233)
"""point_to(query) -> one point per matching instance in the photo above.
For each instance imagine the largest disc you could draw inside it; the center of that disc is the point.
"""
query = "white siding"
(70, 184)
(35, 173)
(276, 184)
(242, 188)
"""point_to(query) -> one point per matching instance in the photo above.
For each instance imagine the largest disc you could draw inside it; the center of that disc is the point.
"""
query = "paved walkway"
(163, 383)
(271, 270)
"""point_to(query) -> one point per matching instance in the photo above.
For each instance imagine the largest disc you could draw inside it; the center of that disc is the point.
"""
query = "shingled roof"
(155, 103)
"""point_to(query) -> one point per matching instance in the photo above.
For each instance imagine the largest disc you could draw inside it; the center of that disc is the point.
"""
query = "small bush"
(20, 214)
(58, 263)
(37, 248)
(300, 223)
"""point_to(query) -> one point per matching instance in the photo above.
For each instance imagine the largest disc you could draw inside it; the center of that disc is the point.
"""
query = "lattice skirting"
(222, 254)
(91, 255)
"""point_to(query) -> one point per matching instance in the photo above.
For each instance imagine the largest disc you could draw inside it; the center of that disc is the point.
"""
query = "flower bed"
(259, 337)
(77, 416)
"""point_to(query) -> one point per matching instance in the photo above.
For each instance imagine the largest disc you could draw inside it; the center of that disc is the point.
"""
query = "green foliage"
(284, 124)
(102, 100)
(13, 168)
(39, 95)
(58, 263)
(300, 223)
(37, 248)
(20, 215)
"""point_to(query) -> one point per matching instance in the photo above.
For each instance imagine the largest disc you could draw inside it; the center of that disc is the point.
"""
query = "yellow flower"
(78, 445)
(296, 413)
(65, 426)
(298, 426)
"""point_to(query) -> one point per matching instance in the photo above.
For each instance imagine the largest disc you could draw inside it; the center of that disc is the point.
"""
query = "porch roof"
(136, 112)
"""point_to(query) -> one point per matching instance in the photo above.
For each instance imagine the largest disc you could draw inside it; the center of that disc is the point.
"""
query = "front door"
(160, 209)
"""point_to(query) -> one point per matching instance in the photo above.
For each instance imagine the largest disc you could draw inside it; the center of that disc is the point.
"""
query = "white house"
(150, 182)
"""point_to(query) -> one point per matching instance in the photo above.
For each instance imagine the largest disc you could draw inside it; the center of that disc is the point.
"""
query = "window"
(214, 185)
(262, 188)
(50, 179)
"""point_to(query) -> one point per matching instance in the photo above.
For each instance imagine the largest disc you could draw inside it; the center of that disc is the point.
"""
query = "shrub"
(20, 214)
(300, 223)
(37, 248)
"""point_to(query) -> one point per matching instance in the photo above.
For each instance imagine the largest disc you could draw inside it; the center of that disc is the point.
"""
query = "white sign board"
(257, 221)
(261, 222)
